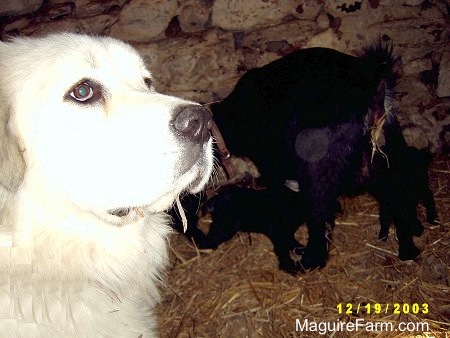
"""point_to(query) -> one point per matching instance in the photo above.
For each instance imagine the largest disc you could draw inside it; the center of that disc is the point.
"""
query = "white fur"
(68, 268)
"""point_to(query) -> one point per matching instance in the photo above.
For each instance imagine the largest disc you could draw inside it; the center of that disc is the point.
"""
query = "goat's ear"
(12, 163)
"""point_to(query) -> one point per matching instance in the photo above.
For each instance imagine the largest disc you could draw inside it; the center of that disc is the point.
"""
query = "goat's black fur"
(277, 215)
(415, 174)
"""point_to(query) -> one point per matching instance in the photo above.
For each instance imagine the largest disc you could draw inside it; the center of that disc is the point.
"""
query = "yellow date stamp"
(378, 308)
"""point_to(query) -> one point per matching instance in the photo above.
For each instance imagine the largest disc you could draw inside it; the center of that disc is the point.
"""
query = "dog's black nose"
(192, 122)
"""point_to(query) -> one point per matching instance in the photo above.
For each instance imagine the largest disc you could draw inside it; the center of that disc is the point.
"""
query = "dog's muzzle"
(192, 123)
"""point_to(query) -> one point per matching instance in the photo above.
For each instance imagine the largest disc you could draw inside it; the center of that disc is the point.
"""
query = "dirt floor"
(238, 290)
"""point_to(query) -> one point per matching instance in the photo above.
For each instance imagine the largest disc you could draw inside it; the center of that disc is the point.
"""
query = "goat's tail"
(381, 119)
(380, 55)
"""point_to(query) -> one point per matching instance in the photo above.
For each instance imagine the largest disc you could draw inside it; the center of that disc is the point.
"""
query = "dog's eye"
(148, 82)
(82, 92)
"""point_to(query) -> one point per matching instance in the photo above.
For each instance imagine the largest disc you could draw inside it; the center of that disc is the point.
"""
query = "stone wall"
(198, 49)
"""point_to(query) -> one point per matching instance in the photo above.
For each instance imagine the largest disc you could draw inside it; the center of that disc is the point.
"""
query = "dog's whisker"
(182, 214)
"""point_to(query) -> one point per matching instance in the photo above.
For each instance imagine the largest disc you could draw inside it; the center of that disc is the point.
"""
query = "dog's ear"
(12, 163)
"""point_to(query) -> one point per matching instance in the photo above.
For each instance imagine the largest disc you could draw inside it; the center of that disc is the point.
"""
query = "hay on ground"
(238, 290)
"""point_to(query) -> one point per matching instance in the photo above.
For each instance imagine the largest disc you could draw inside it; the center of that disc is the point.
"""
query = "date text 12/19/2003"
(378, 308)
(359, 324)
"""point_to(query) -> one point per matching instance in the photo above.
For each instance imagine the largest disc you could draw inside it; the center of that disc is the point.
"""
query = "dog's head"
(82, 116)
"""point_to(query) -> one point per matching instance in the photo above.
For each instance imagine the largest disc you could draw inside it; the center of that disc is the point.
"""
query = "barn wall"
(198, 49)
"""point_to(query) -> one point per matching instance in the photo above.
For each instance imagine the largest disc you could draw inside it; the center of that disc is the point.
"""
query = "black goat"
(324, 119)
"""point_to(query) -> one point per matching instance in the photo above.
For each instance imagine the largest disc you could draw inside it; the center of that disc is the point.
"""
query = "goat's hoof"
(313, 259)
(409, 253)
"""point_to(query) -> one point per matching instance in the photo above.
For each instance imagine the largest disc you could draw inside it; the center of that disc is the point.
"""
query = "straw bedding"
(238, 290)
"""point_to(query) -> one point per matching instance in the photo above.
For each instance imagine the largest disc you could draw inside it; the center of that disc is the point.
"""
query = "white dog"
(90, 158)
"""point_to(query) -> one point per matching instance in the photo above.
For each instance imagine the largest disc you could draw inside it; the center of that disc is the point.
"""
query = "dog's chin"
(123, 215)
(193, 181)
(131, 214)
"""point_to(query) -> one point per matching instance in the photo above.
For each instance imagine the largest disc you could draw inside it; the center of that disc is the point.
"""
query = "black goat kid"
(325, 120)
